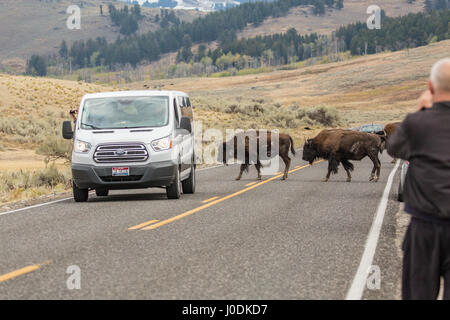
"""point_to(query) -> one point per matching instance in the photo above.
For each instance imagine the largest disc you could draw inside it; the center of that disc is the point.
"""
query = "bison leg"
(332, 167)
(376, 167)
(287, 164)
(243, 167)
(348, 166)
(258, 166)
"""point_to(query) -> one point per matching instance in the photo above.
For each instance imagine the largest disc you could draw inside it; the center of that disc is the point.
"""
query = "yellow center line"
(251, 183)
(210, 204)
(21, 271)
(210, 199)
(143, 225)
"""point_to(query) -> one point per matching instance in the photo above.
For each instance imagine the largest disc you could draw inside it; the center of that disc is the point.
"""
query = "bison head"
(309, 151)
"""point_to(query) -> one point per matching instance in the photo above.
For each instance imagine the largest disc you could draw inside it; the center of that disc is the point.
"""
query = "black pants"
(426, 259)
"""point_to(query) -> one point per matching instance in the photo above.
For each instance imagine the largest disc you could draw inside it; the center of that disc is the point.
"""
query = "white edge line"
(35, 206)
(61, 200)
(65, 199)
(359, 282)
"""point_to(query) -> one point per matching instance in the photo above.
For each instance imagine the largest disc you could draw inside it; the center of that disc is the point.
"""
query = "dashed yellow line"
(212, 203)
(143, 225)
(20, 272)
(210, 199)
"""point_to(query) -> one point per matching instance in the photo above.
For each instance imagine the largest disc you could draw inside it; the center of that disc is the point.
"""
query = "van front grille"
(117, 153)
(121, 179)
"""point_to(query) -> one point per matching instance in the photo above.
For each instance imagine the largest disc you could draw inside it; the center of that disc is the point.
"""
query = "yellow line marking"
(251, 183)
(20, 272)
(210, 204)
(143, 225)
(210, 199)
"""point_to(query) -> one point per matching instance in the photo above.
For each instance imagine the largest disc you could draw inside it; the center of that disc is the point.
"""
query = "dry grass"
(302, 19)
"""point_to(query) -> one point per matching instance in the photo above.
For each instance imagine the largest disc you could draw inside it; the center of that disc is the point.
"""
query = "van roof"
(133, 93)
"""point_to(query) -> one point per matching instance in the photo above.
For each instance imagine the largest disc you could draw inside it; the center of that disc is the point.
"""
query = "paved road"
(294, 239)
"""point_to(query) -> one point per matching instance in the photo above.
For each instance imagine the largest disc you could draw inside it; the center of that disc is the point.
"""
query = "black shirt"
(423, 139)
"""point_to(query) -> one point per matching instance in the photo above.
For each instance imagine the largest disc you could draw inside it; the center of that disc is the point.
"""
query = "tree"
(63, 51)
(37, 66)
(319, 7)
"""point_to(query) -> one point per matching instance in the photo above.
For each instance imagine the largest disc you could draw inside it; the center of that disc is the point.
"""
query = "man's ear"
(430, 86)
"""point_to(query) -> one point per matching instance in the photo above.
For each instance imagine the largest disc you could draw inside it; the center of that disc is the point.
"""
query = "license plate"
(120, 172)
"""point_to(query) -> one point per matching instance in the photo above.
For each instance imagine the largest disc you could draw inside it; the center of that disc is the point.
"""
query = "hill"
(38, 27)
(304, 21)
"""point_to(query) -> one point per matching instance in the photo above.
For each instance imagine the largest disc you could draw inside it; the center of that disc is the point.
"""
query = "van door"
(178, 136)
(188, 138)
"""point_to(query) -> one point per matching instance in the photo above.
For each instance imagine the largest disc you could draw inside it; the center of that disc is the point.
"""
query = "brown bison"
(340, 146)
(389, 130)
(253, 154)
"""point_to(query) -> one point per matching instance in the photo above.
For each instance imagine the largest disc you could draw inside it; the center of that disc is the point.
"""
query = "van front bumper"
(158, 174)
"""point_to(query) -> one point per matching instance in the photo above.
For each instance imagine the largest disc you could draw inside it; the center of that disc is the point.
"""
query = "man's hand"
(425, 100)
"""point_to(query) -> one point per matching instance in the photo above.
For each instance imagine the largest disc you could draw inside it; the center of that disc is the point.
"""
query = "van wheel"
(189, 183)
(79, 195)
(174, 190)
(101, 192)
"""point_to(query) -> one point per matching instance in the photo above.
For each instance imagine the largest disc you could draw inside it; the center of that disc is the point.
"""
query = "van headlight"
(162, 144)
(81, 146)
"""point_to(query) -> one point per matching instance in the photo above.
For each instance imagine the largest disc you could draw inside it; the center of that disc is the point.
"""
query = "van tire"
(174, 190)
(101, 192)
(79, 195)
(189, 183)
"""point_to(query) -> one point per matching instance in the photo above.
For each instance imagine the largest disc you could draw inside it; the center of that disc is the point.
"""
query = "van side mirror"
(67, 131)
(185, 124)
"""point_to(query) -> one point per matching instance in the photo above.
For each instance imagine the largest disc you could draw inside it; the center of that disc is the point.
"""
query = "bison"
(245, 138)
(340, 146)
(389, 130)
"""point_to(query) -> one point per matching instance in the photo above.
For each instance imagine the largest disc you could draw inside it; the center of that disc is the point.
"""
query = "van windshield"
(125, 112)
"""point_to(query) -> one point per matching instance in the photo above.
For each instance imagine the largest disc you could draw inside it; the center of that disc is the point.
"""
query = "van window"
(186, 110)
(188, 102)
(176, 113)
(125, 112)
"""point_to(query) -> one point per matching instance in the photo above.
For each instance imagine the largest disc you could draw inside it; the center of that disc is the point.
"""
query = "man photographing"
(423, 139)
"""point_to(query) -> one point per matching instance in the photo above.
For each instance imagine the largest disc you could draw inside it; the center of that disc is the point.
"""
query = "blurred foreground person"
(423, 139)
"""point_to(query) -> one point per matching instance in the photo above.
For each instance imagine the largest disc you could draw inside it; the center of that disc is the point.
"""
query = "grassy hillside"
(377, 88)
(305, 22)
(39, 26)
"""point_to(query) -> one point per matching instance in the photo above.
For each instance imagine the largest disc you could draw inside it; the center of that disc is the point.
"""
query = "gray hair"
(440, 75)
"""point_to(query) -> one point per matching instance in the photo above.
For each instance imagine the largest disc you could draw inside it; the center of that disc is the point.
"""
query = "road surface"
(294, 239)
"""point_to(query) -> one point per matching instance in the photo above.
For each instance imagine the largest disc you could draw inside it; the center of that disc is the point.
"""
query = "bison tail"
(348, 165)
(292, 145)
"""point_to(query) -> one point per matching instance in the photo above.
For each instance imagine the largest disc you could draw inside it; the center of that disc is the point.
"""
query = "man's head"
(439, 83)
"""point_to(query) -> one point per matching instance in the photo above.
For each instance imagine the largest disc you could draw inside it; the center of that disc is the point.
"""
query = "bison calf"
(245, 139)
(340, 146)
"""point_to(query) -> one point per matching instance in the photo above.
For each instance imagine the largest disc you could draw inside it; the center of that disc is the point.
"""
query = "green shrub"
(324, 116)
(49, 177)
(54, 148)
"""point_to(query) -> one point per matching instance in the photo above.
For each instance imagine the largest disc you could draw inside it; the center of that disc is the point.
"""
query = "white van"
(130, 140)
